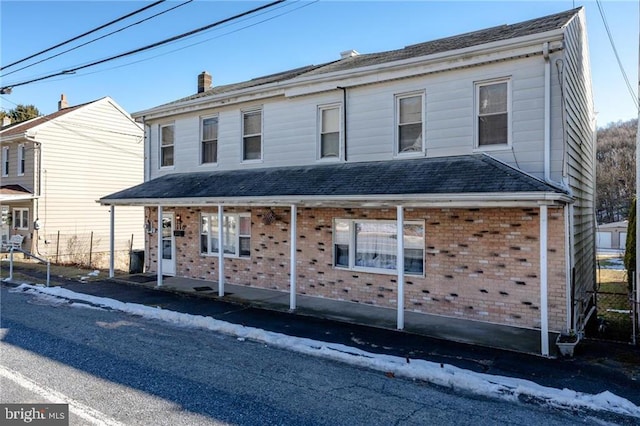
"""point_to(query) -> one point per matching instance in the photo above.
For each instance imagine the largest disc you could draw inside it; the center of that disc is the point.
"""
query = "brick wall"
(480, 264)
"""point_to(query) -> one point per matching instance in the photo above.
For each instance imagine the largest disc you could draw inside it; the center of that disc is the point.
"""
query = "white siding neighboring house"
(59, 166)
(612, 236)
(479, 147)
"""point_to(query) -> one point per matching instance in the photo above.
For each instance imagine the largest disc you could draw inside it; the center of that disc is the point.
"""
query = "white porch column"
(220, 251)
(112, 241)
(159, 256)
(400, 266)
(544, 316)
(292, 278)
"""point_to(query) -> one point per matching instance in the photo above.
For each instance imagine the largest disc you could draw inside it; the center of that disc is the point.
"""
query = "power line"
(96, 39)
(615, 51)
(84, 34)
(7, 88)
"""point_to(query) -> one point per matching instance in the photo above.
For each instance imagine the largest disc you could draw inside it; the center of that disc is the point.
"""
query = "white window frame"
(321, 110)
(161, 147)
(202, 141)
(396, 148)
(476, 115)
(261, 134)
(352, 246)
(239, 236)
(5, 161)
(21, 159)
(19, 218)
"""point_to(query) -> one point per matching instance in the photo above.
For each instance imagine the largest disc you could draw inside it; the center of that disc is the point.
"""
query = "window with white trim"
(21, 159)
(5, 161)
(329, 132)
(252, 135)
(371, 245)
(209, 138)
(21, 219)
(167, 145)
(410, 123)
(492, 109)
(236, 234)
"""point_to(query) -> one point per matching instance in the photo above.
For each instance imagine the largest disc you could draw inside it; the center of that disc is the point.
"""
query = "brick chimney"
(62, 103)
(204, 81)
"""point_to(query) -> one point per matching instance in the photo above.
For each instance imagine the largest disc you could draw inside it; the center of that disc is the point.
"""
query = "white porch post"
(544, 316)
(159, 232)
(112, 241)
(292, 278)
(400, 266)
(220, 251)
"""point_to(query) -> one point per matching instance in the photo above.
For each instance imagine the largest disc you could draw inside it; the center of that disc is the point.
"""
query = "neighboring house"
(479, 146)
(612, 236)
(55, 168)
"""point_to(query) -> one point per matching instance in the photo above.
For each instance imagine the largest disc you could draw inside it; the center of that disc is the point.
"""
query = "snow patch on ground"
(446, 375)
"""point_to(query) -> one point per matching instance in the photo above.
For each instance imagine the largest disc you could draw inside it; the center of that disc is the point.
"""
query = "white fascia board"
(12, 139)
(533, 199)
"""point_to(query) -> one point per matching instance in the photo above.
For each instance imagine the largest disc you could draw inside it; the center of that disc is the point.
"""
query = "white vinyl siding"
(410, 123)
(209, 138)
(236, 236)
(252, 135)
(21, 159)
(167, 141)
(492, 109)
(5, 161)
(329, 138)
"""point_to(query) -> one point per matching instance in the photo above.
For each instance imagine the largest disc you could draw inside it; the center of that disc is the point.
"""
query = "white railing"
(47, 262)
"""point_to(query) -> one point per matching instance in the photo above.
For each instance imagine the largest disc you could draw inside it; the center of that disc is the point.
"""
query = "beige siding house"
(452, 177)
(56, 167)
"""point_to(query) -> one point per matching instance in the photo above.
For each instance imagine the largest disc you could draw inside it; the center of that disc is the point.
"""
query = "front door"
(168, 245)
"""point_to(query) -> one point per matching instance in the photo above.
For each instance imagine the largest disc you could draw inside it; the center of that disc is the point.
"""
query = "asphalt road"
(115, 368)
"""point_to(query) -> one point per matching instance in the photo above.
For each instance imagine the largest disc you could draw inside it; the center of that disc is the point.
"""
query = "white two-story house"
(479, 147)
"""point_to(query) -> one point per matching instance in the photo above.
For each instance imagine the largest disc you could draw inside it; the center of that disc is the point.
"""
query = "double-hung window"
(236, 234)
(329, 129)
(252, 135)
(167, 142)
(492, 124)
(371, 245)
(410, 123)
(21, 219)
(209, 140)
(5, 161)
(21, 159)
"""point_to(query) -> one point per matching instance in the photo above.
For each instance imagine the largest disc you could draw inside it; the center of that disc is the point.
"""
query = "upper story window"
(167, 145)
(21, 159)
(492, 125)
(5, 161)
(410, 122)
(236, 234)
(329, 128)
(252, 135)
(209, 140)
(21, 218)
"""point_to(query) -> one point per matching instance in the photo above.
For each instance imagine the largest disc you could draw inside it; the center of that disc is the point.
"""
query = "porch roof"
(466, 179)
(14, 193)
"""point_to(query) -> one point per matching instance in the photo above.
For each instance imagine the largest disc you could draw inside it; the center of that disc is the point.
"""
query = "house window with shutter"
(492, 108)
(21, 159)
(252, 135)
(167, 145)
(5, 161)
(410, 124)
(209, 140)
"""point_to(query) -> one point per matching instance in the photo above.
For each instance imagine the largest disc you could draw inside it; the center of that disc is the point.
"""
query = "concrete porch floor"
(447, 328)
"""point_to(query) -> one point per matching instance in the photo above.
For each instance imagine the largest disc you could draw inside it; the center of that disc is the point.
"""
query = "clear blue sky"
(290, 35)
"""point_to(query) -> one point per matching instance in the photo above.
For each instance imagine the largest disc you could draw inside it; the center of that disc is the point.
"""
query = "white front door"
(168, 245)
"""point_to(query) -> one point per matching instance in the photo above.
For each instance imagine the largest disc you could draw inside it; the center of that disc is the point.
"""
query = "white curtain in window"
(376, 245)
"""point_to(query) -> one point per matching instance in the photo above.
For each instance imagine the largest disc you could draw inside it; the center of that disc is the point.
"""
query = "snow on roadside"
(446, 375)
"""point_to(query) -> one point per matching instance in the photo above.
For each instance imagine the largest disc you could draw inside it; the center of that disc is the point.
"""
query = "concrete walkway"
(452, 329)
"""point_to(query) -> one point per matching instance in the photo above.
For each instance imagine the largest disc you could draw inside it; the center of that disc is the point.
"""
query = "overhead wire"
(144, 48)
(96, 39)
(135, 12)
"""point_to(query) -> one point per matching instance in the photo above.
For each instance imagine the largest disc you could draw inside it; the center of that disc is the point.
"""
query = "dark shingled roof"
(13, 190)
(466, 174)
(489, 35)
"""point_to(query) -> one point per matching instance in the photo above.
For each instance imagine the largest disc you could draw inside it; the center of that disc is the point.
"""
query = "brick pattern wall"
(480, 264)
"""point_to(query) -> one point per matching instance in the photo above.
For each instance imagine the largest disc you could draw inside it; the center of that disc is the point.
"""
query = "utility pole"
(637, 271)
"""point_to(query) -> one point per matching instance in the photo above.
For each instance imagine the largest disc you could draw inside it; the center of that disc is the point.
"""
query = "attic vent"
(348, 54)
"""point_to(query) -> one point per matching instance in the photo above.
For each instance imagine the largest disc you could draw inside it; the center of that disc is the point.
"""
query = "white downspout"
(159, 268)
(292, 278)
(547, 112)
(544, 317)
(112, 241)
(220, 251)
(568, 243)
(400, 266)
